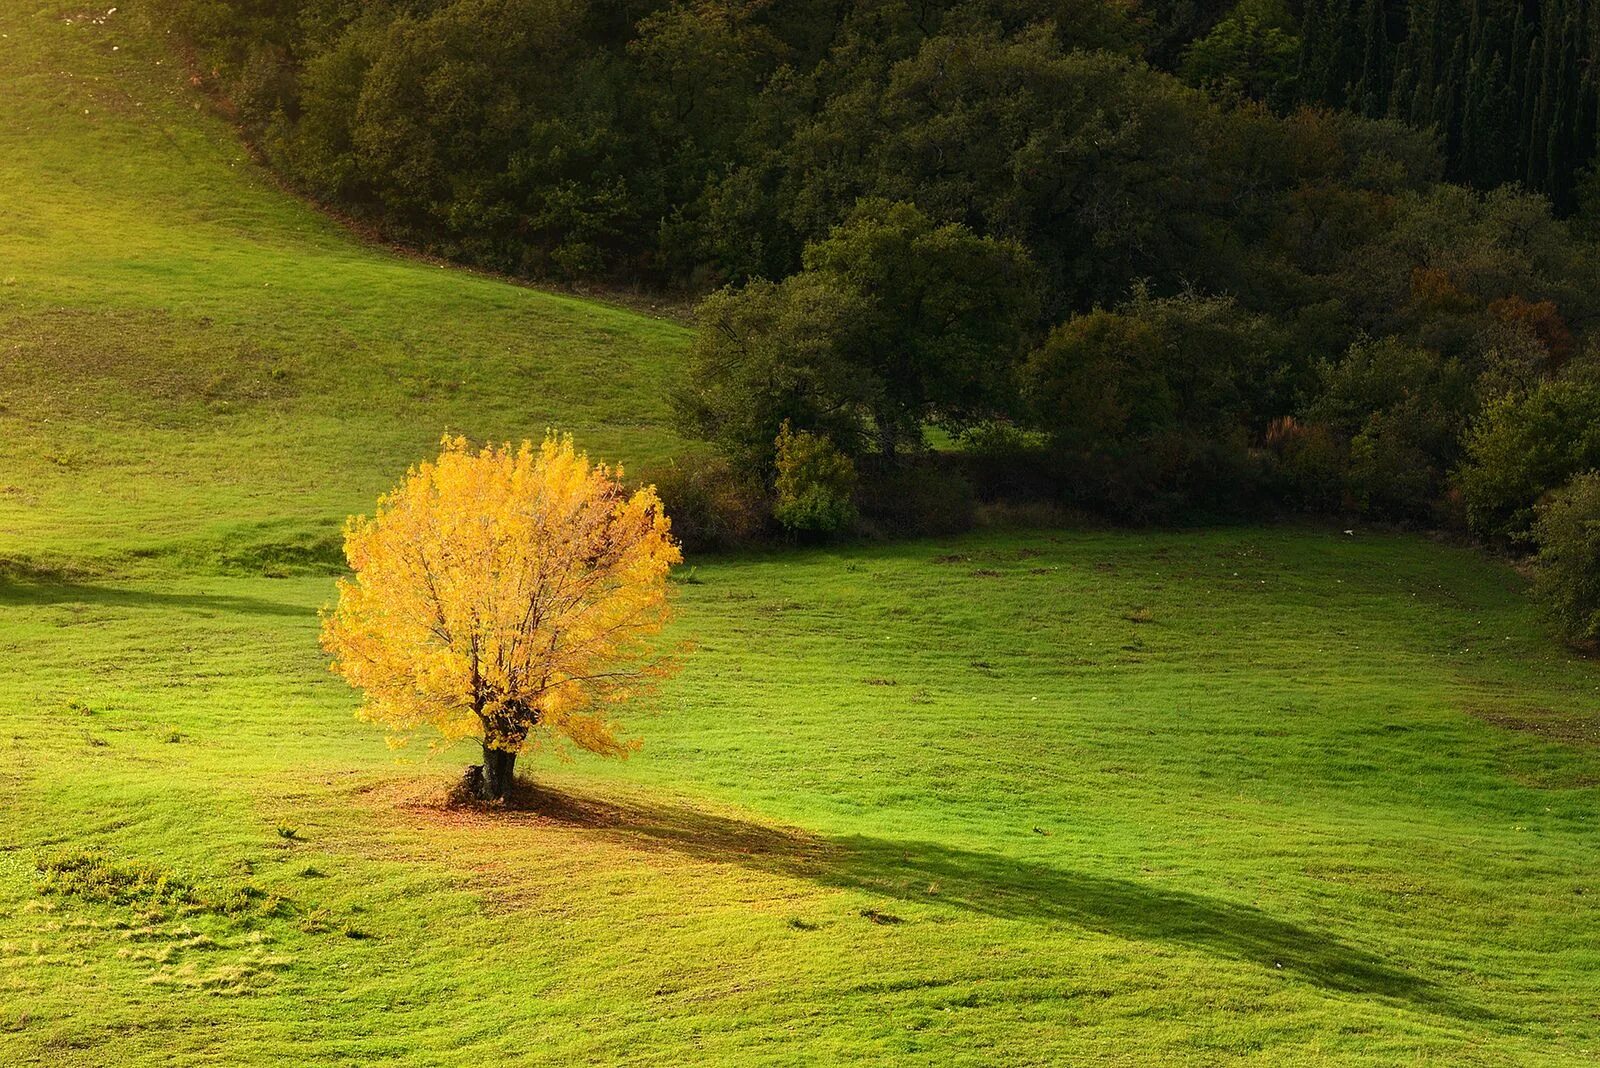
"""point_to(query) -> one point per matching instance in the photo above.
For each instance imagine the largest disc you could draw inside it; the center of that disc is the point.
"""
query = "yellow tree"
(510, 595)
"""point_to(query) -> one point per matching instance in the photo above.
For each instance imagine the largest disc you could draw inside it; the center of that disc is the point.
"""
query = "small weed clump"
(317, 922)
(95, 877)
(153, 890)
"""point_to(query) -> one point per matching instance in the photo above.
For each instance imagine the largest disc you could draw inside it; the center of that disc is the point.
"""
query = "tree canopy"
(1205, 255)
(507, 594)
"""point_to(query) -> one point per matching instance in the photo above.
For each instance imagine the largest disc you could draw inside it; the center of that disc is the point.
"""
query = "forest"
(1152, 260)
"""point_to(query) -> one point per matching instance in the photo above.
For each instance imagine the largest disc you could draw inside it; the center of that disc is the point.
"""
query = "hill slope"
(1265, 796)
(194, 358)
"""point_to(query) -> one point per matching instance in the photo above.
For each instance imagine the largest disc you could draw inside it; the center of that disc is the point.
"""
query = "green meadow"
(1263, 795)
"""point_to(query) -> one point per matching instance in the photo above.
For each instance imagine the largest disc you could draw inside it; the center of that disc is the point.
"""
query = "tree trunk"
(498, 765)
(888, 442)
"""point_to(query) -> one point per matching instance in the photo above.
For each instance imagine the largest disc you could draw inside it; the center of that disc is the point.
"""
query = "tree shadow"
(988, 884)
(52, 591)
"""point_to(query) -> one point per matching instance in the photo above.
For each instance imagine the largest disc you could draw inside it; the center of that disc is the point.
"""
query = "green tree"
(1251, 53)
(1523, 447)
(944, 316)
(1567, 566)
(767, 354)
(1401, 407)
(1154, 403)
(894, 322)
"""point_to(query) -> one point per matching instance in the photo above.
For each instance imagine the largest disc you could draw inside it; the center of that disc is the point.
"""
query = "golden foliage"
(505, 594)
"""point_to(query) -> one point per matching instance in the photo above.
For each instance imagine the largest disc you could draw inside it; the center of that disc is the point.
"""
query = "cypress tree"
(1511, 86)
(1371, 97)
(1558, 135)
(1532, 89)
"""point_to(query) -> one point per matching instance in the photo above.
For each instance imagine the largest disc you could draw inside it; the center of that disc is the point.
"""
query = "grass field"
(1277, 796)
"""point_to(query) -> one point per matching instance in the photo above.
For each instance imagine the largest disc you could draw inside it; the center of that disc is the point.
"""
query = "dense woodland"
(1152, 258)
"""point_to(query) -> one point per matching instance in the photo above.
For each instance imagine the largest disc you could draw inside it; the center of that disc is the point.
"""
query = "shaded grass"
(983, 883)
(85, 595)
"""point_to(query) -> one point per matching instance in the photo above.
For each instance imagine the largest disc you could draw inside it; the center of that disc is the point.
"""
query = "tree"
(1522, 447)
(1150, 406)
(944, 315)
(766, 354)
(1402, 409)
(505, 594)
(1191, 363)
(1567, 568)
(1251, 54)
(1087, 160)
(895, 322)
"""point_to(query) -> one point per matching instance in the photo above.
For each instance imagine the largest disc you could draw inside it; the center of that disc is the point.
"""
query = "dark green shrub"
(1567, 567)
(1309, 464)
(1392, 475)
(918, 497)
(1151, 407)
(1184, 476)
(264, 86)
(1402, 408)
(1004, 462)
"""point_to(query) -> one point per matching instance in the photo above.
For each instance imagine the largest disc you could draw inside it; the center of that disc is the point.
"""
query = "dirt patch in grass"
(653, 826)
(1572, 767)
(1577, 729)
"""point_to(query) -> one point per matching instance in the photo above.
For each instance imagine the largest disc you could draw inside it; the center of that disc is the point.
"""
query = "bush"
(713, 507)
(915, 498)
(1401, 407)
(1006, 463)
(1172, 477)
(1567, 577)
(1151, 407)
(1391, 475)
(1309, 464)
(815, 484)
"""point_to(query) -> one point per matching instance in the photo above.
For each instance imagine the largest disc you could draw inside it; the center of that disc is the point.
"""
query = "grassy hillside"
(193, 359)
(1273, 796)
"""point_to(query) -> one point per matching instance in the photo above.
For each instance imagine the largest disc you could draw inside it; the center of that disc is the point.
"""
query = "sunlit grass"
(935, 799)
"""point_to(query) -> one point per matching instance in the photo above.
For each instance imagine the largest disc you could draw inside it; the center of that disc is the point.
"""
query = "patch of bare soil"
(511, 853)
(1564, 728)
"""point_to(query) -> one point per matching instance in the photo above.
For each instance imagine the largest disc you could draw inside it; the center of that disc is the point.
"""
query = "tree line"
(1510, 86)
(1156, 259)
